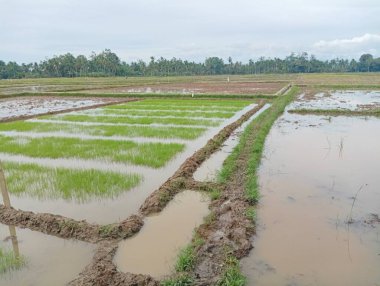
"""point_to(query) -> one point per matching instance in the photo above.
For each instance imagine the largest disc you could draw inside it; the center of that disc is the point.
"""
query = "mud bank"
(68, 228)
(159, 198)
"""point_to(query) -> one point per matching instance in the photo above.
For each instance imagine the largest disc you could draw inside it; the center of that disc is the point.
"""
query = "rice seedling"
(232, 275)
(134, 120)
(178, 107)
(68, 184)
(181, 280)
(146, 154)
(174, 113)
(193, 102)
(106, 130)
(9, 261)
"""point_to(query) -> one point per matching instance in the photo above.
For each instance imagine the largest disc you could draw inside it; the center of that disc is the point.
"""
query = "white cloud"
(367, 43)
(366, 39)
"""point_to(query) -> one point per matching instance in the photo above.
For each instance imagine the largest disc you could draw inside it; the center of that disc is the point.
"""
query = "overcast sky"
(31, 30)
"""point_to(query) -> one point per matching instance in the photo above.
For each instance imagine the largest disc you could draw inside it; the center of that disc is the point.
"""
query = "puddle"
(208, 171)
(155, 248)
(352, 100)
(98, 210)
(47, 260)
(312, 171)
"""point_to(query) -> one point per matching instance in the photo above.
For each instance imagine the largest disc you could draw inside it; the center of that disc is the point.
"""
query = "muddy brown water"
(98, 210)
(312, 170)
(153, 251)
(48, 260)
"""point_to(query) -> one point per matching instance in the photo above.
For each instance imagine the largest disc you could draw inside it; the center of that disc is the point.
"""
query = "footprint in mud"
(291, 199)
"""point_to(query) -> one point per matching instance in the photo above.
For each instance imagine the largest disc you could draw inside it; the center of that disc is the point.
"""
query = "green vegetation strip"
(144, 112)
(9, 262)
(105, 130)
(147, 154)
(68, 184)
(337, 112)
(190, 103)
(179, 107)
(259, 128)
(133, 120)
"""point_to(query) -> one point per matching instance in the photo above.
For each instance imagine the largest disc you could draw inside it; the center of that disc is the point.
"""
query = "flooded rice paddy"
(94, 203)
(351, 100)
(318, 216)
(20, 107)
(154, 250)
(43, 260)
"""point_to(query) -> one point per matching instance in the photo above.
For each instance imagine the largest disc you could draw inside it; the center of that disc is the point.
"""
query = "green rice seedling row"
(166, 113)
(106, 130)
(146, 154)
(9, 262)
(133, 120)
(69, 184)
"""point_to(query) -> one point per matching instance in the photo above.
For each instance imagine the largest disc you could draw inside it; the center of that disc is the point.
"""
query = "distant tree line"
(108, 63)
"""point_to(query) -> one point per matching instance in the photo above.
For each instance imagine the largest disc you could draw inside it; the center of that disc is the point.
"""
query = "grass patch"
(133, 120)
(67, 184)
(181, 280)
(187, 256)
(337, 112)
(250, 213)
(183, 108)
(9, 262)
(187, 133)
(189, 103)
(232, 275)
(147, 154)
(215, 194)
(258, 129)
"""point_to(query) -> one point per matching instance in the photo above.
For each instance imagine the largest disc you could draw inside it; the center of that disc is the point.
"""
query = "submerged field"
(109, 135)
(288, 171)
